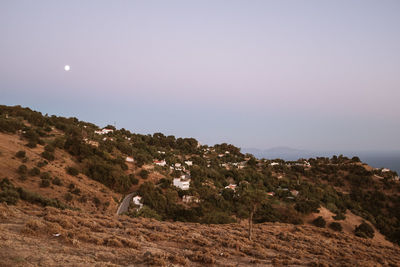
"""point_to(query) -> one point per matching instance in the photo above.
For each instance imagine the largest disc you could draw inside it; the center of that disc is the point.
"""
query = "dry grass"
(29, 231)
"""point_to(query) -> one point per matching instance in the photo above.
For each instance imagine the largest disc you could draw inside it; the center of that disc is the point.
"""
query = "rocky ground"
(35, 236)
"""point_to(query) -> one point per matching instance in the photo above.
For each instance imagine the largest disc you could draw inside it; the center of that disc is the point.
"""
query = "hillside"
(33, 236)
(68, 177)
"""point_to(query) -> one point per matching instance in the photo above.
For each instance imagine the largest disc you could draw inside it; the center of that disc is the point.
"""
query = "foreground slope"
(33, 236)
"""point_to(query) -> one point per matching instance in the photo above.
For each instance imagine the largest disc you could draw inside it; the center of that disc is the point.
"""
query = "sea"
(376, 159)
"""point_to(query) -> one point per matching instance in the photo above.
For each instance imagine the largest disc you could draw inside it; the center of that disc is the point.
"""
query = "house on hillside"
(129, 159)
(295, 193)
(104, 131)
(190, 199)
(137, 201)
(274, 164)
(385, 170)
(231, 186)
(161, 163)
(271, 194)
(183, 182)
(189, 162)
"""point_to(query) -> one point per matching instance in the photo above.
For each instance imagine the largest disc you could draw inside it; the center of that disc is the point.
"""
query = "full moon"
(67, 67)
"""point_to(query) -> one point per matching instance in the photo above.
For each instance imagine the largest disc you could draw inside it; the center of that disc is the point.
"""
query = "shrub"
(48, 155)
(57, 181)
(34, 171)
(45, 176)
(72, 171)
(49, 148)
(31, 144)
(319, 222)
(68, 197)
(76, 191)
(8, 192)
(336, 226)
(96, 201)
(364, 230)
(20, 154)
(42, 163)
(144, 174)
(134, 180)
(340, 216)
(45, 183)
(22, 169)
(307, 206)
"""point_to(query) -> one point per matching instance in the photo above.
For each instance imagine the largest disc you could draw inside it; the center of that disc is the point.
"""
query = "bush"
(48, 155)
(76, 191)
(338, 217)
(45, 183)
(57, 181)
(22, 169)
(133, 179)
(336, 226)
(68, 197)
(8, 192)
(72, 171)
(319, 222)
(144, 174)
(42, 163)
(96, 201)
(45, 176)
(49, 148)
(307, 206)
(364, 230)
(34, 171)
(20, 154)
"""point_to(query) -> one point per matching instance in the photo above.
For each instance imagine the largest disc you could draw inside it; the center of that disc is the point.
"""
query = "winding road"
(123, 207)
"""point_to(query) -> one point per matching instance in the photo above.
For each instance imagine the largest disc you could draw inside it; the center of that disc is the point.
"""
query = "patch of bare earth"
(34, 236)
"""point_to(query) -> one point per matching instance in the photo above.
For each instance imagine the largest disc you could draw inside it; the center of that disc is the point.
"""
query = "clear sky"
(317, 75)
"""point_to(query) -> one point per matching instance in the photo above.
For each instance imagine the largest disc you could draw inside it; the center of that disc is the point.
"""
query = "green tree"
(250, 199)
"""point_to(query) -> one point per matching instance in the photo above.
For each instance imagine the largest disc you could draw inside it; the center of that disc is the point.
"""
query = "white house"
(231, 186)
(129, 159)
(161, 163)
(183, 182)
(274, 163)
(178, 165)
(294, 192)
(189, 163)
(104, 131)
(385, 170)
(190, 199)
(136, 200)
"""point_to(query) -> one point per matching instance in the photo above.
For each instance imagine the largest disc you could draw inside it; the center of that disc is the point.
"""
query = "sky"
(316, 75)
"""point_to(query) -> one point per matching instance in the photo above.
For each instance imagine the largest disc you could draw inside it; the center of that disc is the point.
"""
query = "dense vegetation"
(295, 188)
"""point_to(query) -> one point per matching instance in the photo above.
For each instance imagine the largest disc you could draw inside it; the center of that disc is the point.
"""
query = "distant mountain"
(286, 153)
(377, 159)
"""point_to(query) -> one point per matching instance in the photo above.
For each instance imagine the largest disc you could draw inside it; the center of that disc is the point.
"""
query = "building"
(190, 199)
(295, 193)
(129, 159)
(385, 170)
(271, 194)
(231, 186)
(161, 163)
(183, 182)
(189, 163)
(137, 201)
(274, 163)
(104, 131)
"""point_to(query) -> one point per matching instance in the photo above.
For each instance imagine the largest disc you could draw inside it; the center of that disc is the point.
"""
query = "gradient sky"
(317, 75)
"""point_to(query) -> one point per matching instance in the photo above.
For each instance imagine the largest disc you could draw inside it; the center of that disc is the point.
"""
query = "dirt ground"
(35, 236)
